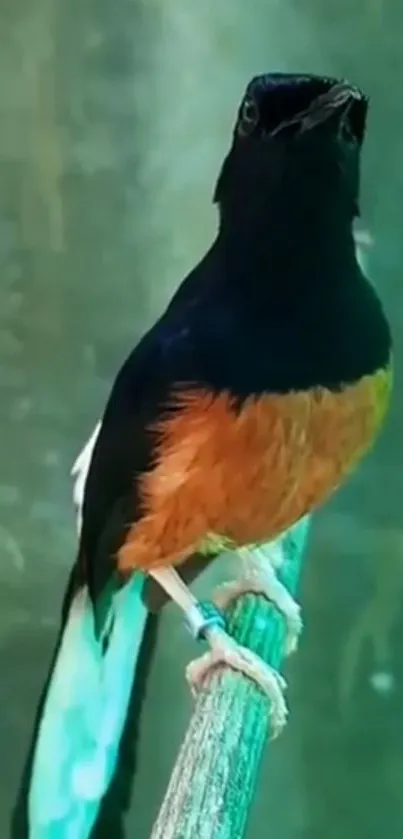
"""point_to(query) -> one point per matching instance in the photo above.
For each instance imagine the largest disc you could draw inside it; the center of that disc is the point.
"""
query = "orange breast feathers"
(247, 475)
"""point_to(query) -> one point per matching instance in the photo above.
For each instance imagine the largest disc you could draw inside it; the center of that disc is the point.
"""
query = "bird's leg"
(207, 621)
(259, 576)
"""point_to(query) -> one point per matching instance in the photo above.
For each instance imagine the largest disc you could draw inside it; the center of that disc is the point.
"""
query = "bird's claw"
(225, 651)
(270, 587)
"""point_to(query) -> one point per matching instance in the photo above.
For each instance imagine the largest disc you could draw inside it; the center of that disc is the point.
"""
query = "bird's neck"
(286, 249)
(274, 257)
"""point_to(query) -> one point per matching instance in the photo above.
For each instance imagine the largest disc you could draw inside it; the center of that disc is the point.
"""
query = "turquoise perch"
(216, 771)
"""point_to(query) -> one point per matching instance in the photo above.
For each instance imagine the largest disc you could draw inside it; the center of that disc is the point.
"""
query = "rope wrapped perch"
(213, 782)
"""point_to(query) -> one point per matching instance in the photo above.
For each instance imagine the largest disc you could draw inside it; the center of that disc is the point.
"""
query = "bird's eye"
(248, 118)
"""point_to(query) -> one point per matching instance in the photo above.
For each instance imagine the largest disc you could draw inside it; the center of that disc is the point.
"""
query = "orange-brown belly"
(246, 476)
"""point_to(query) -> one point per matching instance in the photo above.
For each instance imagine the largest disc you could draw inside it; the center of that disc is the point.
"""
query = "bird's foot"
(260, 578)
(225, 651)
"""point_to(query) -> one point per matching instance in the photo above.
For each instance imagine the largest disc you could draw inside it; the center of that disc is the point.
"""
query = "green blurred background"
(114, 119)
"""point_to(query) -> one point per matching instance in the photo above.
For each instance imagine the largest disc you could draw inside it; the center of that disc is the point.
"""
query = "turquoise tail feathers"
(83, 717)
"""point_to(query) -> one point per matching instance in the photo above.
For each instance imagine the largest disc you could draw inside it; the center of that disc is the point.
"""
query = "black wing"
(171, 353)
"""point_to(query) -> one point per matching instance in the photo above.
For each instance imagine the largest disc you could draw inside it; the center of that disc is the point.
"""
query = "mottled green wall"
(114, 118)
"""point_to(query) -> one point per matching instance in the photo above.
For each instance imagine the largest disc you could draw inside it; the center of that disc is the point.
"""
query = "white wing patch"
(80, 471)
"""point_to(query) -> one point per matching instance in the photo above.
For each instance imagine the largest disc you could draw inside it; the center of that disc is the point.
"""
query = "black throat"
(286, 224)
(306, 314)
(290, 264)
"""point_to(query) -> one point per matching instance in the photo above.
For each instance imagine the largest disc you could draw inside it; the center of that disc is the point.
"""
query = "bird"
(248, 403)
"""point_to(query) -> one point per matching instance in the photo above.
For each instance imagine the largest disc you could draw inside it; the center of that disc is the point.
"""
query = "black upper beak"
(279, 102)
(342, 104)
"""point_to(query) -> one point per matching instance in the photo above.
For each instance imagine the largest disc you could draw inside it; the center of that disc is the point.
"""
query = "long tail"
(81, 721)
(80, 766)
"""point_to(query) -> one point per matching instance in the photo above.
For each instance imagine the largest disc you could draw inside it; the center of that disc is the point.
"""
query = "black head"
(292, 105)
(292, 126)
